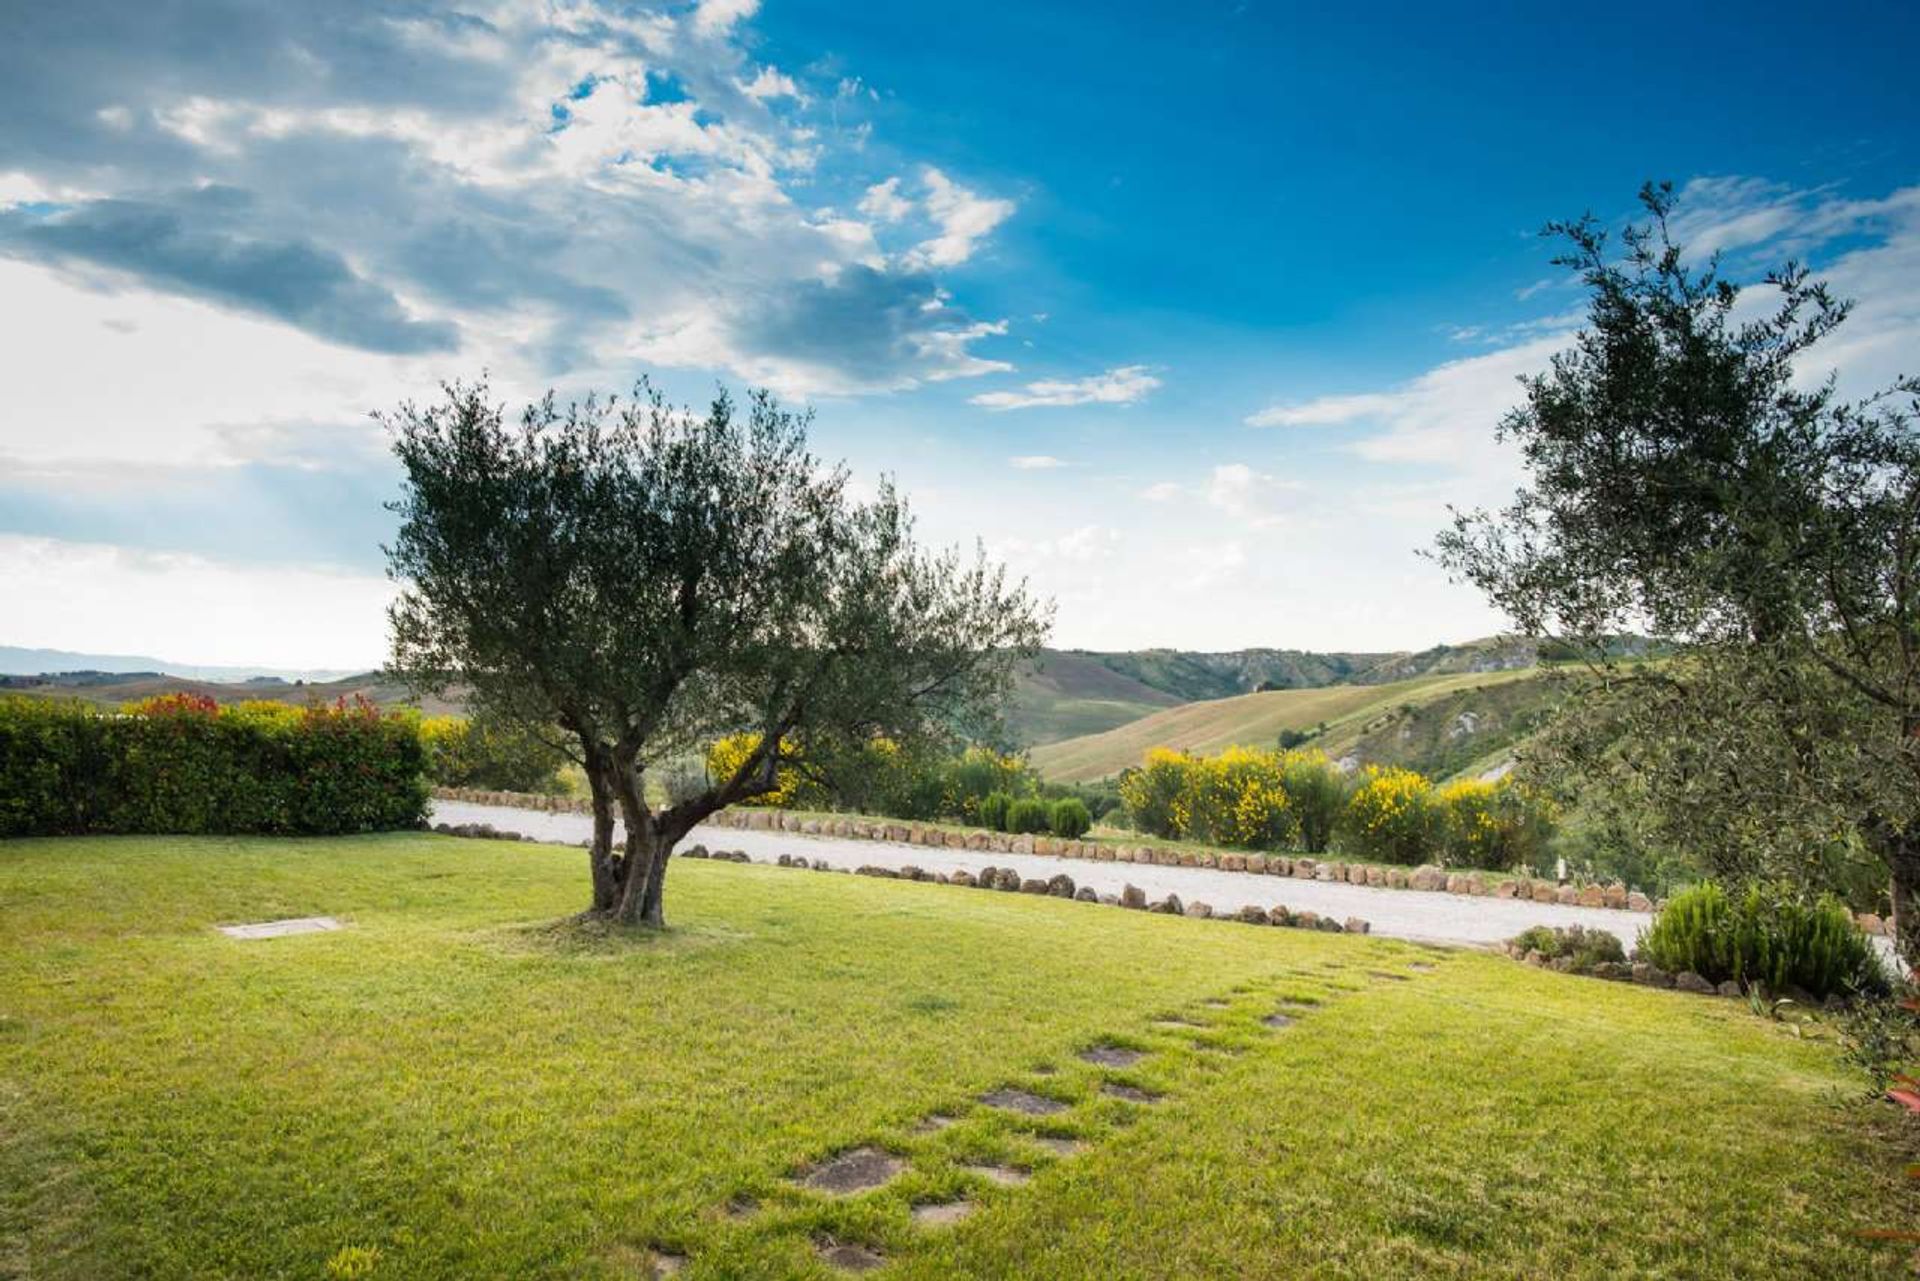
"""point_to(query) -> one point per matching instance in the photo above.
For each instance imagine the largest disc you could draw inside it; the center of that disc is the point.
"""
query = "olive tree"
(634, 580)
(1688, 476)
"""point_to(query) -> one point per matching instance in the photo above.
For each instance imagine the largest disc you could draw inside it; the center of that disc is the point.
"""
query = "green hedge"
(182, 765)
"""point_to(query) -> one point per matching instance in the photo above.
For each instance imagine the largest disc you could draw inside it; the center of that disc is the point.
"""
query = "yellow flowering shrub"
(1499, 825)
(1394, 817)
(1236, 798)
(727, 754)
(1152, 794)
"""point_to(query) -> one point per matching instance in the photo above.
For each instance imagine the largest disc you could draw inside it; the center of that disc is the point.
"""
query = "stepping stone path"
(857, 1171)
(849, 1258)
(1024, 1101)
(668, 1265)
(1005, 1175)
(1112, 1056)
(941, 1214)
(864, 1168)
(281, 929)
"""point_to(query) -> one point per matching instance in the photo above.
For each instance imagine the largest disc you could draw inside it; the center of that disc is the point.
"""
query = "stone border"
(976, 840)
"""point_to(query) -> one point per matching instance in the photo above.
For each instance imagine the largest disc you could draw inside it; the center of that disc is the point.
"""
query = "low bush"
(1029, 815)
(1070, 818)
(993, 810)
(473, 753)
(1393, 817)
(1316, 791)
(1770, 936)
(183, 765)
(1584, 947)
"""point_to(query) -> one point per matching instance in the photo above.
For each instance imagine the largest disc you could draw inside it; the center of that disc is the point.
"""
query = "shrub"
(1498, 825)
(474, 753)
(1070, 818)
(1767, 935)
(791, 788)
(1587, 948)
(976, 774)
(1317, 795)
(993, 810)
(1236, 798)
(1152, 793)
(1393, 817)
(1029, 815)
(184, 765)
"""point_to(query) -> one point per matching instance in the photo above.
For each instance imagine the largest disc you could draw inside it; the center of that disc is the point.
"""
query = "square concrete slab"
(280, 929)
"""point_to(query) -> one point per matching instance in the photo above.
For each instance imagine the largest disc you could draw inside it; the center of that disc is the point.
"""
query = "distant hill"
(15, 661)
(1440, 724)
(111, 689)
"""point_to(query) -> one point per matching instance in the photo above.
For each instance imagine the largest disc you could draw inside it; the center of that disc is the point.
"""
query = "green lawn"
(474, 1093)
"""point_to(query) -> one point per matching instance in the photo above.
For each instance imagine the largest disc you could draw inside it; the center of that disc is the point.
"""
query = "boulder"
(1591, 896)
(1200, 911)
(1033, 885)
(1476, 885)
(1544, 892)
(977, 841)
(1279, 865)
(1354, 925)
(1731, 988)
(1535, 956)
(1000, 843)
(1871, 923)
(1568, 896)
(1506, 889)
(1189, 859)
(1133, 896)
(1327, 925)
(963, 877)
(1561, 965)
(1688, 981)
(1614, 895)
(1086, 894)
(1456, 883)
(1396, 878)
(1649, 975)
(821, 865)
(1233, 862)
(1061, 886)
(1638, 902)
(694, 851)
(1008, 880)
(1377, 877)
(1279, 915)
(1427, 878)
(1308, 920)
(1110, 900)
(911, 873)
(1251, 914)
(868, 869)
(1169, 906)
(1304, 869)
(1254, 863)
(956, 840)
(1046, 846)
(1618, 971)
(1105, 853)
(810, 827)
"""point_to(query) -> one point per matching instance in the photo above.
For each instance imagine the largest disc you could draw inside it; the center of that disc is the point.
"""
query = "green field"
(1251, 719)
(457, 1086)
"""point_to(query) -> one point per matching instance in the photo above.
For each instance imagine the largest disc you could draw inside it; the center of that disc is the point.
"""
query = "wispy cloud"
(1036, 462)
(1122, 386)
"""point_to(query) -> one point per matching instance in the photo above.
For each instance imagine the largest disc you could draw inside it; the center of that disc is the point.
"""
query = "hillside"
(1371, 722)
(111, 689)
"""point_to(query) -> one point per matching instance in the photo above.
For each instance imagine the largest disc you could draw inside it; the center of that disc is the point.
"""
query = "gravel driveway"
(1413, 914)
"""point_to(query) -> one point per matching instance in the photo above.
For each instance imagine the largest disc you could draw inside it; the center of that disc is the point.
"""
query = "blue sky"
(1199, 315)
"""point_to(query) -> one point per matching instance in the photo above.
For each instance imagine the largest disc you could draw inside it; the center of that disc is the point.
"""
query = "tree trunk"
(1901, 851)
(643, 867)
(600, 861)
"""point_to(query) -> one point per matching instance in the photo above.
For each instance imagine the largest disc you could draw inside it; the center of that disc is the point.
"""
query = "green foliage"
(1070, 818)
(1291, 738)
(1769, 935)
(181, 764)
(1029, 815)
(1394, 818)
(470, 753)
(1587, 948)
(977, 773)
(993, 810)
(1316, 794)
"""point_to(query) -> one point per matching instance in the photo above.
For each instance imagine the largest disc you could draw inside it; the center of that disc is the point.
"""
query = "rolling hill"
(1416, 722)
(111, 689)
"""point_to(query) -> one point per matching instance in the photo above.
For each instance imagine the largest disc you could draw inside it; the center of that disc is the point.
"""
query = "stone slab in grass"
(1005, 1175)
(1061, 1147)
(1130, 1093)
(1278, 1020)
(281, 929)
(849, 1258)
(934, 1122)
(941, 1214)
(860, 1170)
(1025, 1101)
(1112, 1056)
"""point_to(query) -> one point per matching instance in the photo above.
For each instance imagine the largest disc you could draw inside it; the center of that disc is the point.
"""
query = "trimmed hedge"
(183, 765)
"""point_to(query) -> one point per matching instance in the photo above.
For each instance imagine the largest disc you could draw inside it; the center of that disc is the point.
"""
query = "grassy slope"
(1064, 695)
(477, 1096)
(1255, 719)
(117, 690)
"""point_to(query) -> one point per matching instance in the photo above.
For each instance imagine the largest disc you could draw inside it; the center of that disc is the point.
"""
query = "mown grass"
(471, 1089)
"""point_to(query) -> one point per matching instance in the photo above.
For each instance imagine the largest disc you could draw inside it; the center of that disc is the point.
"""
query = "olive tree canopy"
(1691, 475)
(634, 580)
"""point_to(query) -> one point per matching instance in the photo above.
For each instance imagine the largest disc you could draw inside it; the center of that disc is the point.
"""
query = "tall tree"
(634, 580)
(1689, 478)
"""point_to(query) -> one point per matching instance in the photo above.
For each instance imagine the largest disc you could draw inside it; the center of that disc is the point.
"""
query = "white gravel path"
(1413, 914)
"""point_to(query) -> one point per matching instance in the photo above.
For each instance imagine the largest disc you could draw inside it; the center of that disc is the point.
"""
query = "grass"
(1249, 719)
(456, 1085)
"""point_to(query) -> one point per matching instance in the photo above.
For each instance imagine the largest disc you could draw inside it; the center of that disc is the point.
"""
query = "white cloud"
(717, 17)
(884, 203)
(1259, 499)
(1164, 491)
(769, 84)
(104, 599)
(964, 218)
(1036, 462)
(1122, 386)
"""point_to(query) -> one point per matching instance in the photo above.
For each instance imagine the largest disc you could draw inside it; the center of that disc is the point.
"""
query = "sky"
(1200, 316)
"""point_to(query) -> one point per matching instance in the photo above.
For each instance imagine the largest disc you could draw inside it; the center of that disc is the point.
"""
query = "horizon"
(1199, 319)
